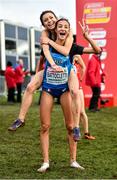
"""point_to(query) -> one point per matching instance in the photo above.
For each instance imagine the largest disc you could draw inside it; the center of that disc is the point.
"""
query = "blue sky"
(28, 11)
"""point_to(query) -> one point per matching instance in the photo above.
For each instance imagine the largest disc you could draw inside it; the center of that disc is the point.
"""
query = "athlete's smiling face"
(49, 21)
(62, 29)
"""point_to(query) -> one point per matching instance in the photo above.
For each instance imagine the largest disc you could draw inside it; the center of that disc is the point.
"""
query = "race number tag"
(57, 78)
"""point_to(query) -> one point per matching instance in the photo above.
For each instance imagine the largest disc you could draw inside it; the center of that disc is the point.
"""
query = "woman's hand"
(57, 68)
(85, 28)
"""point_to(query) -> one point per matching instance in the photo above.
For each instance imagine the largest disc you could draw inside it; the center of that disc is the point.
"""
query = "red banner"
(101, 19)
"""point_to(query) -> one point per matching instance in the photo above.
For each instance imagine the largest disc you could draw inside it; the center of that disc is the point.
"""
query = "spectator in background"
(20, 74)
(11, 83)
(94, 77)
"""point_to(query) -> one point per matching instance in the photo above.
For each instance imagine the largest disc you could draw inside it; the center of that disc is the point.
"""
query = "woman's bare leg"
(45, 116)
(27, 100)
(65, 101)
(28, 94)
(74, 90)
(84, 118)
(74, 87)
(66, 106)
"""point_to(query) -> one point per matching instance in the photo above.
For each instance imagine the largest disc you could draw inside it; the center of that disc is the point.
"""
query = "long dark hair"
(45, 12)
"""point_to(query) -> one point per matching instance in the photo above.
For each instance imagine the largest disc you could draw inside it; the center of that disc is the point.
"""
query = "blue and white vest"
(57, 80)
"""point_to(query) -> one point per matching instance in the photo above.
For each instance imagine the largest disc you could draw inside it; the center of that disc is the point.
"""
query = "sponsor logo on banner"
(97, 33)
(96, 13)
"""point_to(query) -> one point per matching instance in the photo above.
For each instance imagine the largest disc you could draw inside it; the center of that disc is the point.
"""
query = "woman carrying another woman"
(48, 20)
(55, 84)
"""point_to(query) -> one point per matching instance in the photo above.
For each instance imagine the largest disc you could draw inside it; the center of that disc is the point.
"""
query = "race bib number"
(57, 78)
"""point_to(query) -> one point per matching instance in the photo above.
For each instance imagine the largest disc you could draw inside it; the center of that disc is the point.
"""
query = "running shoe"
(16, 124)
(88, 136)
(76, 133)
(44, 167)
(74, 164)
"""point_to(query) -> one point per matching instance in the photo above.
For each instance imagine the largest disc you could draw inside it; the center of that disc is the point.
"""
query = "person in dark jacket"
(94, 76)
(10, 80)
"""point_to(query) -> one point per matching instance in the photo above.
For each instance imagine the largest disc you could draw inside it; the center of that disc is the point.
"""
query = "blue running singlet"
(57, 80)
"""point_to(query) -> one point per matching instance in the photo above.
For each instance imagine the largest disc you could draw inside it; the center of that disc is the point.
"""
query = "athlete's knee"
(30, 88)
(45, 128)
(82, 113)
(74, 93)
(69, 128)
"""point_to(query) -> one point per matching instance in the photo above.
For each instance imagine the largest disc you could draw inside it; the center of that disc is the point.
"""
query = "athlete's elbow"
(84, 68)
(66, 52)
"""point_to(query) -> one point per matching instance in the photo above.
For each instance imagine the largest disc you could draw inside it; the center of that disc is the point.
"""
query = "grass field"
(20, 152)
